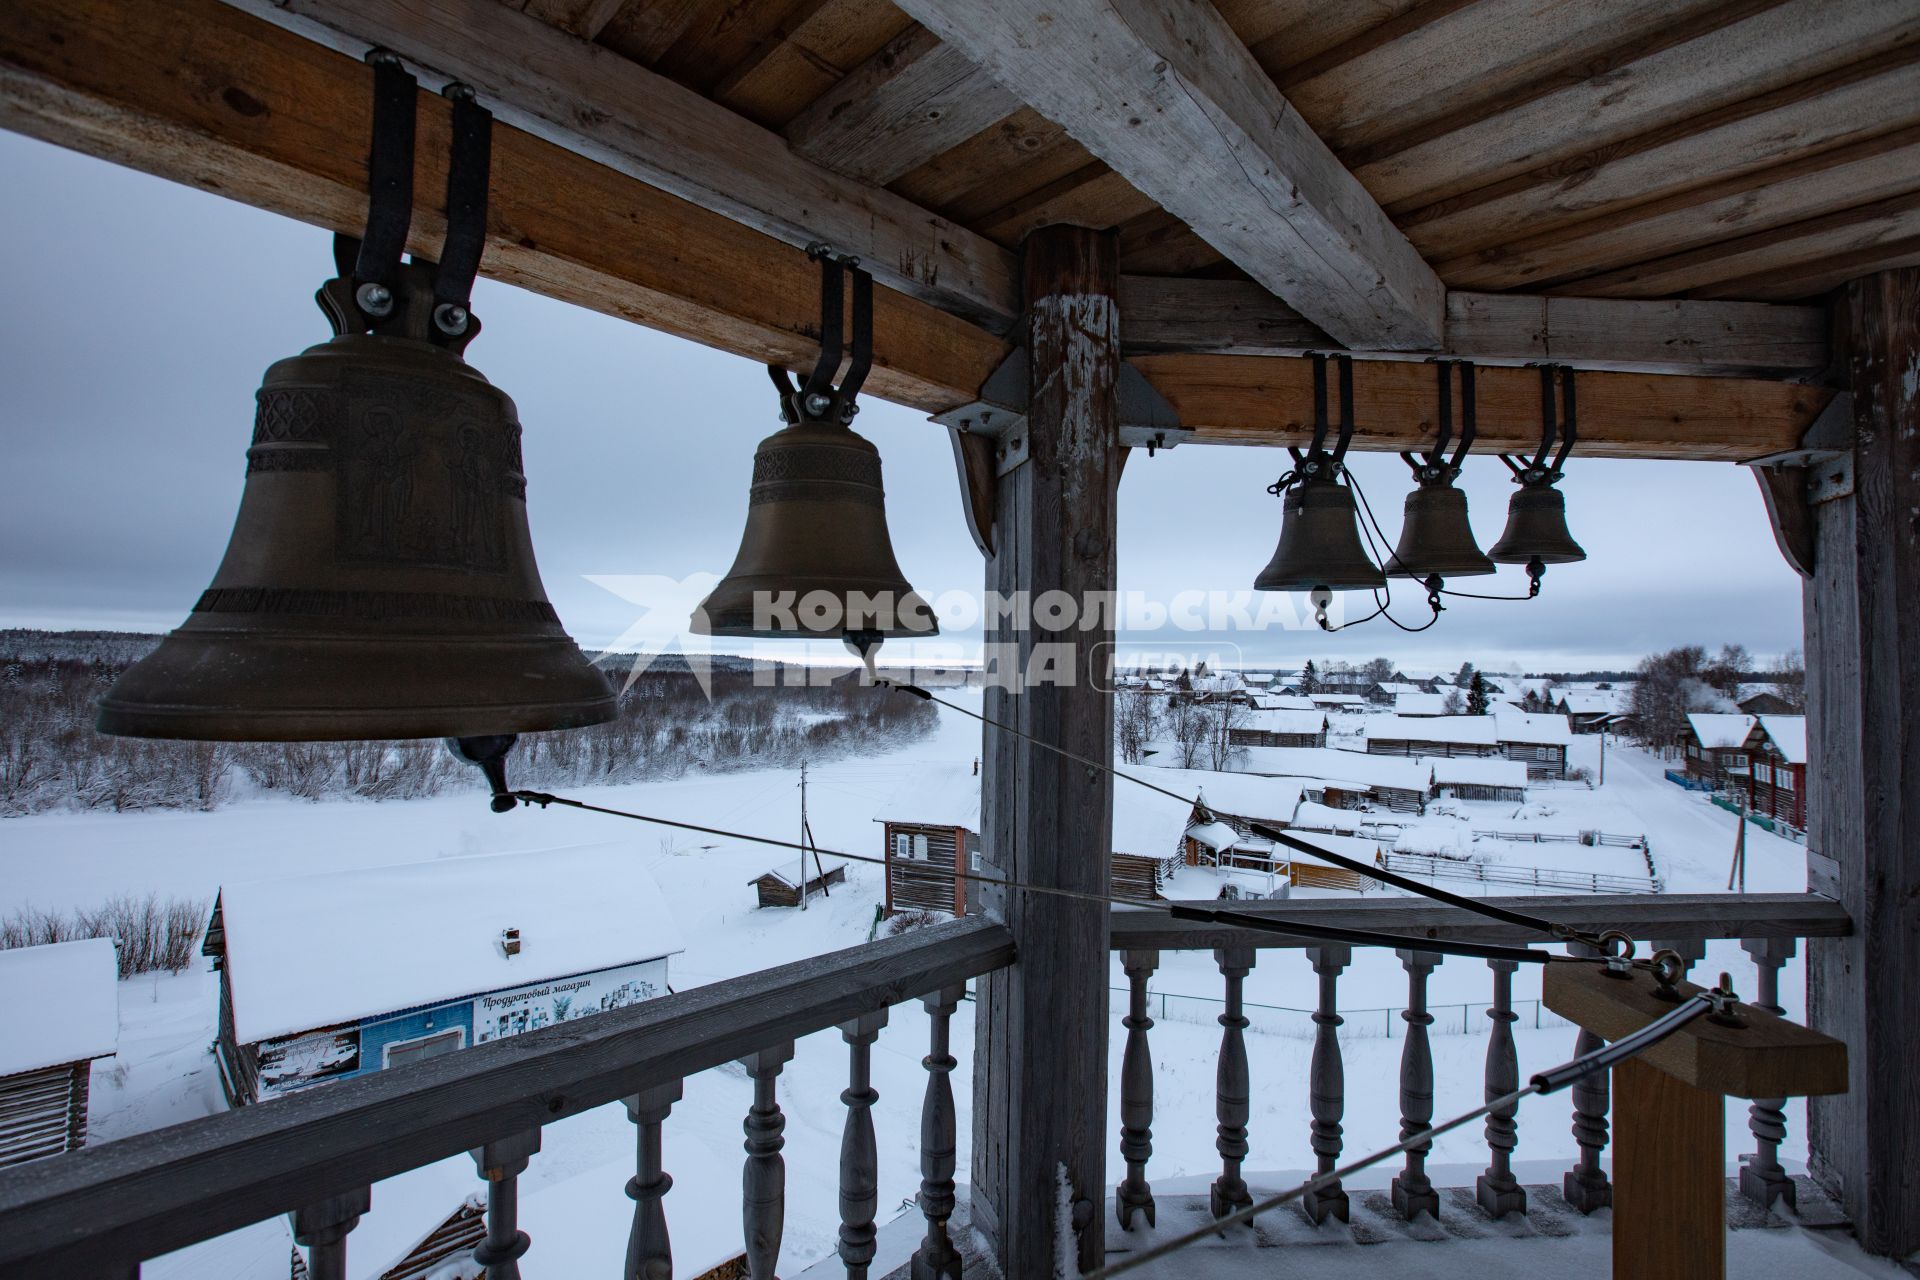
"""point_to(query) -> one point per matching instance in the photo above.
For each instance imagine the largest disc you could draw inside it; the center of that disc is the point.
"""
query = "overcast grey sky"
(139, 315)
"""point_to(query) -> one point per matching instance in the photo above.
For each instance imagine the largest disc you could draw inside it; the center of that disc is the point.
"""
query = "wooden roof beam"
(1750, 339)
(610, 109)
(1166, 94)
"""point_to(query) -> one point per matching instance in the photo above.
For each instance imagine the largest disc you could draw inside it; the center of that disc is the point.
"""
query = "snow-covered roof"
(1397, 687)
(1477, 731)
(1240, 794)
(788, 872)
(59, 1003)
(946, 794)
(316, 950)
(1419, 704)
(1534, 727)
(1587, 704)
(1338, 699)
(1282, 701)
(1148, 823)
(1720, 729)
(1330, 764)
(1359, 848)
(1788, 735)
(1214, 835)
(1292, 720)
(1475, 771)
(1311, 816)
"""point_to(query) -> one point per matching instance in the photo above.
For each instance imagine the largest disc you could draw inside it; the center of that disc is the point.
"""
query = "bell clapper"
(865, 645)
(489, 754)
(1321, 598)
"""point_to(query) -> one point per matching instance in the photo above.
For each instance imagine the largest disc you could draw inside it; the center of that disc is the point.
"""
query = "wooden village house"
(1096, 232)
(59, 1014)
(1343, 779)
(1716, 747)
(1777, 769)
(334, 975)
(1538, 740)
(1278, 728)
(779, 886)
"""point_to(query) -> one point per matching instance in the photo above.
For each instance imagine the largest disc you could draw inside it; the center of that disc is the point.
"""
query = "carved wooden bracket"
(1794, 482)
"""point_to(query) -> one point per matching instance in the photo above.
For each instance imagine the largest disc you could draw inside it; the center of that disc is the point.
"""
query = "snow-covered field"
(573, 1204)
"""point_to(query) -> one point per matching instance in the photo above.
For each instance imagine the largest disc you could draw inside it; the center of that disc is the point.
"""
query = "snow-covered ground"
(165, 1074)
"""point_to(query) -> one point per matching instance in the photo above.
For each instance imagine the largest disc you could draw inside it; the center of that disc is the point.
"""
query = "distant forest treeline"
(51, 757)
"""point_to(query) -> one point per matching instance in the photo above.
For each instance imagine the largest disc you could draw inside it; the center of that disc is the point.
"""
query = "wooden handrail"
(115, 1204)
(1670, 915)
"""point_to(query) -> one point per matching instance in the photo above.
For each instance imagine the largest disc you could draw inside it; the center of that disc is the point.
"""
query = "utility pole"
(803, 835)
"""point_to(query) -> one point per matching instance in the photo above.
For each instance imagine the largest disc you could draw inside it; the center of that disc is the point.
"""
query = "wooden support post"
(1040, 1065)
(1863, 690)
(1669, 1166)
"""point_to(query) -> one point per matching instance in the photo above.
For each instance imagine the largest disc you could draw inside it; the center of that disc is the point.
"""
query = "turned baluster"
(1498, 1192)
(649, 1250)
(859, 1161)
(1327, 1082)
(1413, 1193)
(936, 1258)
(1762, 1180)
(1133, 1195)
(1585, 1186)
(764, 1180)
(1232, 1091)
(501, 1162)
(323, 1229)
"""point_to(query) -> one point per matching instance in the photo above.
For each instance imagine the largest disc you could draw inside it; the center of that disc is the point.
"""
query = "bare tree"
(1453, 704)
(1728, 668)
(1136, 718)
(1188, 724)
(1663, 691)
(1222, 719)
(1378, 670)
(1789, 673)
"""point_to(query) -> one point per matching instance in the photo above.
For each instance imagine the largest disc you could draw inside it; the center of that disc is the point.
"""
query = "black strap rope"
(1545, 1082)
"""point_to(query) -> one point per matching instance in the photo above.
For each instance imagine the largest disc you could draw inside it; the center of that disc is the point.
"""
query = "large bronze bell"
(815, 560)
(380, 581)
(1319, 542)
(1537, 527)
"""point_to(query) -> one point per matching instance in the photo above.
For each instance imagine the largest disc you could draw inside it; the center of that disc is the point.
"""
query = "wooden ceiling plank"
(811, 59)
(1861, 173)
(1091, 196)
(1158, 244)
(1265, 401)
(1021, 153)
(583, 18)
(726, 34)
(1810, 279)
(644, 30)
(1449, 64)
(1861, 231)
(1165, 93)
(1738, 339)
(1287, 34)
(1844, 106)
(910, 102)
(1766, 51)
(200, 93)
(639, 122)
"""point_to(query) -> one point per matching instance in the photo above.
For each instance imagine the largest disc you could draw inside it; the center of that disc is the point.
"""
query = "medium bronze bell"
(1436, 537)
(1537, 527)
(815, 560)
(1319, 542)
(380, 581)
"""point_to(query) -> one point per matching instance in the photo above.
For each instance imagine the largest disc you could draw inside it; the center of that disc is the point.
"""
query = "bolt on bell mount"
(815, 560)
(380, 580)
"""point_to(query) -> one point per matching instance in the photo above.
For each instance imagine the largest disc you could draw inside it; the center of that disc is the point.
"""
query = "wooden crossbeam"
(1238, 317)
(201, 93)
(1166, 94)
(611, 109)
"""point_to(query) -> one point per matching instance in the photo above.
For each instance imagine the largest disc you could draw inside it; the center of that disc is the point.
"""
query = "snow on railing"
(1536, 878)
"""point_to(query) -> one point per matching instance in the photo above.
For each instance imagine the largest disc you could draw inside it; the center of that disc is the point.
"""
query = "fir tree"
(1463, 677)
(1309, 679)
(1477, 696)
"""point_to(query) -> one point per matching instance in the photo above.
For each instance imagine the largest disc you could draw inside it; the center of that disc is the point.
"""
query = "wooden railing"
(1767, 925)
(102, 1210)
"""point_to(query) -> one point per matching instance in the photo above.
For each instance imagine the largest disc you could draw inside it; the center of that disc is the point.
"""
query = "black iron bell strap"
(1564, 426)
(390, 178)
(817, 399)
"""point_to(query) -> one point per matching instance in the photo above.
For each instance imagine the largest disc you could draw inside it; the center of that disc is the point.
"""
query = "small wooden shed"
(780, 886)
(60, 1007)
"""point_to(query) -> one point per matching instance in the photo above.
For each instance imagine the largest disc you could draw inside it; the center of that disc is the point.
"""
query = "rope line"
(1545, 1082)
(1265, 924)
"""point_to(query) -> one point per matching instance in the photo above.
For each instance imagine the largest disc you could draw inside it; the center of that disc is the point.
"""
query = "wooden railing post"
(1585, 1186)
(764, 1180)
(649, 1249)
(1040, 1113)
(936, 1258)
(501, 1163)
(1413, 1192)
(859, 1162)
(323, 1229)
(1498, 1192)
(1327, 1082)
(1762, 1180)
(1862, 619)
(1134, 1195)
(1232, 1087)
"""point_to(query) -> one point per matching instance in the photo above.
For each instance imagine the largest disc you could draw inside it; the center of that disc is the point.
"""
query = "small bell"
(815, 560)
(1537, 527)
(1436, 538)
(1320, 544)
